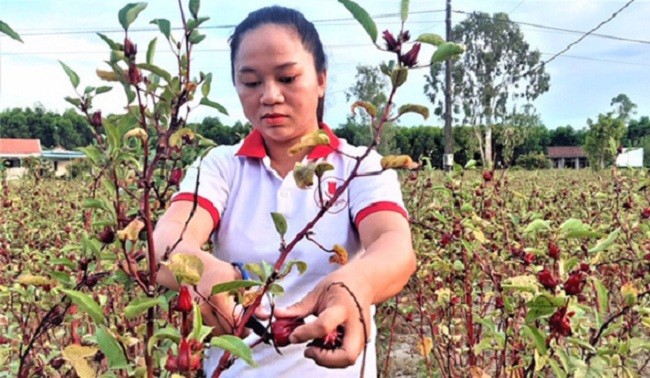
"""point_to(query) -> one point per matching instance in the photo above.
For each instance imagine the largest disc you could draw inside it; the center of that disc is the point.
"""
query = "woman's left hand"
(333, 306)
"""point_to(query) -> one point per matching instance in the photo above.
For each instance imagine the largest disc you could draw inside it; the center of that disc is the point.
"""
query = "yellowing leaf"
(304, 175)
(368, 107)
(477, 372)
(398, 161)
(424, 346)
(630, 293)
(176, 139)
(107, 75)
(478, 235)
(138, 132)
(313, 139)
(77, 355)
(187, 268)
(131, 231)
(340, 255)
(29, 279)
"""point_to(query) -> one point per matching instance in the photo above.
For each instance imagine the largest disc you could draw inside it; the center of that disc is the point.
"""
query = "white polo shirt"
(239, 189)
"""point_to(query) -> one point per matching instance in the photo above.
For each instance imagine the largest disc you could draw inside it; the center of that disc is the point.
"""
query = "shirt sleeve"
(212, 174)
(370, 194)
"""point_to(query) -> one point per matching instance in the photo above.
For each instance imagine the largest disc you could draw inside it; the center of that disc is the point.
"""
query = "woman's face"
(277, 84)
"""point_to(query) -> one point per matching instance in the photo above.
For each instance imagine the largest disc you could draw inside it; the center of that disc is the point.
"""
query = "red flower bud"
(107, 236)
(391, 43)
(488, 175)
(445, 239)
(575, 283)
(129, 48)
(560, 322)
(498, 303)
(134, 74)
(645, 213)
(57, 362)
(547, 280)
(175, 176)
(410, 59)
(405, 36)
(96, 119)
(585, 267)
(282, 328)
(553, 250)
(172, 363)
(186, 361)
(184, 301)
(529, 258)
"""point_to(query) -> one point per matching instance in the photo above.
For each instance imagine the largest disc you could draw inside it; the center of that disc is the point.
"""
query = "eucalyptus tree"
(498, 69)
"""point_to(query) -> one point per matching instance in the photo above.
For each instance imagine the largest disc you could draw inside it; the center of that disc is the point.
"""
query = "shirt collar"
(253, 145)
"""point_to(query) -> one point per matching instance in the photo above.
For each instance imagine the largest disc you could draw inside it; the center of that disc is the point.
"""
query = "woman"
(279, 71)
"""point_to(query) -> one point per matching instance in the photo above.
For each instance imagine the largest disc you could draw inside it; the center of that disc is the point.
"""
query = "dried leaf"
(187, 268)
(424, 346)
(313, 139)
(131, 231)
(29, 279)
(339, 256)
(398, 161)
(77, 355)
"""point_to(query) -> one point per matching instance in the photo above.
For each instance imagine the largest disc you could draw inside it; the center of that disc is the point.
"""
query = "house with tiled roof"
(14, 150)
(568, 157)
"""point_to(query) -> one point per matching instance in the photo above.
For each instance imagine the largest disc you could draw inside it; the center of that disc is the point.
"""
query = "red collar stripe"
(253, 145)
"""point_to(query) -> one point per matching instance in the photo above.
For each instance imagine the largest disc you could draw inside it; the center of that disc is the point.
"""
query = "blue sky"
(583, 80)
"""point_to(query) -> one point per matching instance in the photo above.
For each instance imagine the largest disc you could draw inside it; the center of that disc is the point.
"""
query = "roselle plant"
(525, 274)
(137, 161)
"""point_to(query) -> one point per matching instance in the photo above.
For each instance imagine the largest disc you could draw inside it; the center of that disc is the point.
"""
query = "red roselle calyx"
(410, 59)
(282, 328)
(129, 48)
(175, 176)
(134, 74)
(96, 119)
(391, 43)
(560, 322)
(575, 283)
(185, 361)
(488, 175)
(645, 213)
(546, 278)
(553, 250)
(331, 341)
(107, 236)
(184, 301)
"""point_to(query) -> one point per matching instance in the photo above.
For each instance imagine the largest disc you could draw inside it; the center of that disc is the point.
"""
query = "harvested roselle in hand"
(282, 328)
(331, 341)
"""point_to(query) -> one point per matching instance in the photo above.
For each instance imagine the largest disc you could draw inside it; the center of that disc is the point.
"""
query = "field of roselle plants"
(520, 274)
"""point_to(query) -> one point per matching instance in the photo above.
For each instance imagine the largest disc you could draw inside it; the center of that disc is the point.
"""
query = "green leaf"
(164, 333)
(164, 26)
(199, 331)
(74, 78)
(470, 164)
(412, 108)
(187, 268)
(74, 101)
(156, 70)
(323, 167)
(151, 49)
(303, 174)
(362, 17)
(280, 223)
(604, 244)
(367, 106)
(399, 76)
(404, 10)
(140, 305)
(112, 44)
(86, 304)
(103, 89)
(194, 8)
(195, 37)
(6, 29)
(602, 296)
(446, 50)
(205, 87)
(582, 343)
(212, 104)
(537, 337)
(301, 265)
(235, 346)
(256, 269)
(93, 203)
(430, 39)
(276, 289)
(537, 225)
(129, 13)
(111, 349)
(226, 287)
(195, 23)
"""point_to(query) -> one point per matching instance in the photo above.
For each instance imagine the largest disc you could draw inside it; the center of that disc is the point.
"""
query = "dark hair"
(289, 17)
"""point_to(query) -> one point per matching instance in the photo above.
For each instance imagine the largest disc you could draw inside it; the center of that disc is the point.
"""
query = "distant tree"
(420, 141)
(602, 139)
(624, 107)
(212, 128)
(637, 130)
(497, 69)
(522, 132)
(566, 136)
(466, 144)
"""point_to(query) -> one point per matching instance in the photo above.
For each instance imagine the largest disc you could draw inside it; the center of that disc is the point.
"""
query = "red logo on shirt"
(327, 190)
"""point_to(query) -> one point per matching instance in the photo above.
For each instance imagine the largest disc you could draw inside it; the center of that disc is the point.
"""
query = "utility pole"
(448, 157)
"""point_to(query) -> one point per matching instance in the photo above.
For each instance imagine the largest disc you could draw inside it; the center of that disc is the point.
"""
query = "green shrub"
(534, 161)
